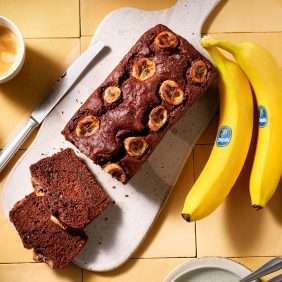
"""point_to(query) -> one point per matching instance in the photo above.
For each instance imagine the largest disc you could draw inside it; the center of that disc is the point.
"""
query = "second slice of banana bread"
(68, 190)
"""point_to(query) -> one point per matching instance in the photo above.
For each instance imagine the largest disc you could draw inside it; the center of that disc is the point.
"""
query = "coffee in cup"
(8, 49)
(12, 50)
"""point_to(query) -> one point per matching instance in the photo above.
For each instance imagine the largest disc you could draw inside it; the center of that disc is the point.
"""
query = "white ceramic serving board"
(116, 234)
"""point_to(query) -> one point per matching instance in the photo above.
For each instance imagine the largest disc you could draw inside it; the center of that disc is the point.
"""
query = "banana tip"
(257, 207)
(186, 216)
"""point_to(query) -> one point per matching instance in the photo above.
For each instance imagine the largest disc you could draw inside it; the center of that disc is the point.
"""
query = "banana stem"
(208, 41)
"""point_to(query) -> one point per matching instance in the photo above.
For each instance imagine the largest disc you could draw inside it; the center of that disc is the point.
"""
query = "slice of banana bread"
(50, 243)
(68, 190)
(125, 118)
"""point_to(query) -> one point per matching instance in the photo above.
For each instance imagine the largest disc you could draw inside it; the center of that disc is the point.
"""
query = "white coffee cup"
(20, 57)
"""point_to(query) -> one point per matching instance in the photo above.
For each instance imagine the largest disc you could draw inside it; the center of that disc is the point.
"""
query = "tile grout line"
(54, 37)
(148, 258)
(90, 35)
(245, 32)
(196, 246)
(79, 11)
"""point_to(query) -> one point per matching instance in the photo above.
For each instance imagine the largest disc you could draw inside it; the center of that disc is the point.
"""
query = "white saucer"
(208, 269)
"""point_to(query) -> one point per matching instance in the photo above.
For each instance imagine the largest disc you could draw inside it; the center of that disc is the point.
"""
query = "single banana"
(232, 142)
(266, 79)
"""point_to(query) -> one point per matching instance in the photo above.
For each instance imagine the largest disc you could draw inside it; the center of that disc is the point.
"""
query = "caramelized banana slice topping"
(144, 69)
(171, 93)
(116, 171)
(111, 94)
(87, 126)
(135, 146)
(166, 39)
(198, 71)
(157, 118)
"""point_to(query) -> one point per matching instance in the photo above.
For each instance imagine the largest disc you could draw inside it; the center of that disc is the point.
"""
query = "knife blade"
(63, 84)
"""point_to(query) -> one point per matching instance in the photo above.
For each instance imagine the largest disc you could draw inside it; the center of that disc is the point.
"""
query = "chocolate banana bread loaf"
(121, 123)
(50, 243)
(68, 190)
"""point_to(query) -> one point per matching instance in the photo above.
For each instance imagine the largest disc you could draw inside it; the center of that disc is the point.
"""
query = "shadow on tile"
(71, 273)
(28, 88)
(274, 204)
(214, 14)
(245, 226)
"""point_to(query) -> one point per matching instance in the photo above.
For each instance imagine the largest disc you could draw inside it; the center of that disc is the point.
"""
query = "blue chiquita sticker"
(223, 137)
(262, 115)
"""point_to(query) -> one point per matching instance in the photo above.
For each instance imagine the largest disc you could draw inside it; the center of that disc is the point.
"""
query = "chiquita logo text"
(223, 136)
(262, 115)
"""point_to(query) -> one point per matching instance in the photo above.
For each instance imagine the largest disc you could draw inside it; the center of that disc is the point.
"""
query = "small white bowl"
(208, 269)
(20, 52)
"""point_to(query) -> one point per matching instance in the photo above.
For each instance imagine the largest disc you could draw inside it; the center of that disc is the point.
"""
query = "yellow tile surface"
(93, 11)
(46, 60)
(43, 18)
(84, 42)
(13, 251)
(171, 236)
(247, 16)
(235, 228)
(38, 272)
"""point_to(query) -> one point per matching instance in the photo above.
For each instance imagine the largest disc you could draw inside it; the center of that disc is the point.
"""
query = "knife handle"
(11, 148)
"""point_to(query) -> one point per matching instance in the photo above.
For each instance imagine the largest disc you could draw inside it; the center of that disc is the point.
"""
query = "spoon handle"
(269, 267)
(277, 278)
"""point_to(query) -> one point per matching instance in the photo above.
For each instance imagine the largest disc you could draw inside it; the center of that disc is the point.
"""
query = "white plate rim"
(205, 262)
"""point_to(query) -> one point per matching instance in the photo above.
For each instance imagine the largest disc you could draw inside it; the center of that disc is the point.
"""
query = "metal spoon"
(277, 278)
(269, 267)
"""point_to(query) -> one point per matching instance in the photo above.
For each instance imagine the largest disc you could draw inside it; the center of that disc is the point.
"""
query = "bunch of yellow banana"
(223, 166)
(232, 142)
